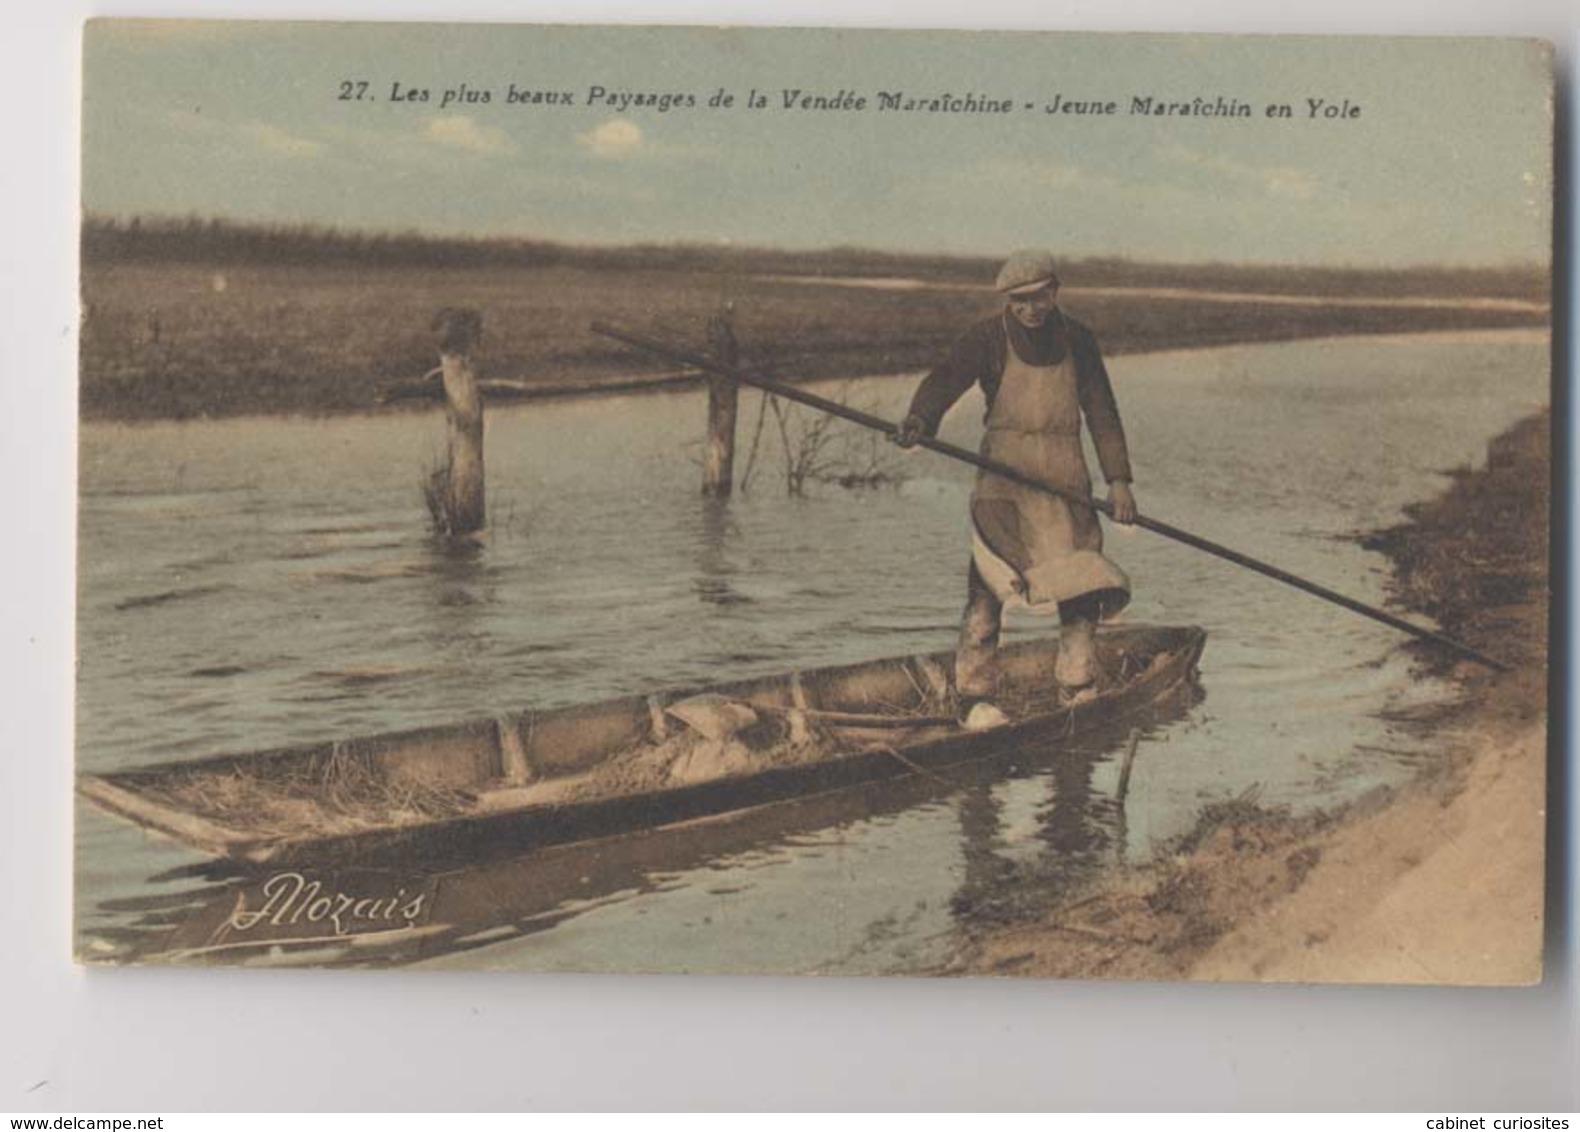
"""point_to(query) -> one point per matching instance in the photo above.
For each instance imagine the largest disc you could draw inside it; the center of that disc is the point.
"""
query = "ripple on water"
(326, 610)
(165, 597)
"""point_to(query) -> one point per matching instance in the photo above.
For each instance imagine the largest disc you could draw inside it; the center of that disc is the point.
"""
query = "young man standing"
(1040, 372)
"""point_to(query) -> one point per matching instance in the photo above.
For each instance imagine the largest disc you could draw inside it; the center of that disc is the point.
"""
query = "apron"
(1051, 547)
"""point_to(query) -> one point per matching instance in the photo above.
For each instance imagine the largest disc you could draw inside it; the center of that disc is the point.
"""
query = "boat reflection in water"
(278, 915)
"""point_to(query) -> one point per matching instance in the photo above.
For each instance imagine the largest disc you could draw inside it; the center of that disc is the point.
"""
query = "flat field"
(209, 337)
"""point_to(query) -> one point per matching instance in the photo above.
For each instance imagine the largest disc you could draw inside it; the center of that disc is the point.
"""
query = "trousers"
(976, 657)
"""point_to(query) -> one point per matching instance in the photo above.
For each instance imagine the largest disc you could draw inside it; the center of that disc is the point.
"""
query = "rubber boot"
(1076, 668)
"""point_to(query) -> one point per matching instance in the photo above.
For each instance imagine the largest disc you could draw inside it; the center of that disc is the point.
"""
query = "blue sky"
(1448, 161)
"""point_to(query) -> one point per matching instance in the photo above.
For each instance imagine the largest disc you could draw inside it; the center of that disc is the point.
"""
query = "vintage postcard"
(813, 502)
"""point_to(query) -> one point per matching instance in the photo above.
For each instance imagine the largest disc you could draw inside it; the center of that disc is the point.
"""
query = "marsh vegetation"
(198, 318)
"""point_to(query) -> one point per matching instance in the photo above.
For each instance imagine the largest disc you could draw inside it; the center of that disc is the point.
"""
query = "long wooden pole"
(965, 455)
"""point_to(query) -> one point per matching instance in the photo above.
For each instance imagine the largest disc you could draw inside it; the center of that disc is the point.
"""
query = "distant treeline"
(214, 242)
(224, 242)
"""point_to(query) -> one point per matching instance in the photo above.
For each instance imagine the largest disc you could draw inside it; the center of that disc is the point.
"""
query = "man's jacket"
(977, 358)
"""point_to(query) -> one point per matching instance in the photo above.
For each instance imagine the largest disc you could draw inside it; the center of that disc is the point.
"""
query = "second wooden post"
(718, 455)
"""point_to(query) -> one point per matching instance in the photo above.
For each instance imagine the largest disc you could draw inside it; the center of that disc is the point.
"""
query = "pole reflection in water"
(716, 533)
(457, 621)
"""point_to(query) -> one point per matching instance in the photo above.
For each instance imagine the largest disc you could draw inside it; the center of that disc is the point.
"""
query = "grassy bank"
(222, 322)
(1475, 558)
(1438, 882)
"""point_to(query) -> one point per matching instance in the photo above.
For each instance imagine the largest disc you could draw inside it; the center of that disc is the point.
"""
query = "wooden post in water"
(1124, 771)
(458, 331)
(718, 454)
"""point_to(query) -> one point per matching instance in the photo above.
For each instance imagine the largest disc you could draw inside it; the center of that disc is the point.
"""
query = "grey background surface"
(73, 1040)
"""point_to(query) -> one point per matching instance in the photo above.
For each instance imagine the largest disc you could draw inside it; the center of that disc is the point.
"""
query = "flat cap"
(1029, 269)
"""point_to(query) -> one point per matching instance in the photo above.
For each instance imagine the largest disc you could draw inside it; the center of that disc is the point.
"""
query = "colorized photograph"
(814, 502)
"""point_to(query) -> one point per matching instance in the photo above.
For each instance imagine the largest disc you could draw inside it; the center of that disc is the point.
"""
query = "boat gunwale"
(117, 791)
(453, 730)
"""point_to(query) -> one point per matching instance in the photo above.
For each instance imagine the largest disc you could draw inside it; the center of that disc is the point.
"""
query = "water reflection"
(621, 578)
(716, 531)
(513, 901)
(984, 870)
(456, 567)
(1075, 829)
(456, 618)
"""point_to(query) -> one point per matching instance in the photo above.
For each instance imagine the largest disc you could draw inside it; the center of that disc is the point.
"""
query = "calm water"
(250, 583)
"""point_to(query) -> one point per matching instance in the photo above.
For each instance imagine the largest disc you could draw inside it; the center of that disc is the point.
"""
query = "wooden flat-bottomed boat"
(535, 778)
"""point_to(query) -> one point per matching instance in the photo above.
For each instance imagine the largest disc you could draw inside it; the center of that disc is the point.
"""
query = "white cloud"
(616, 138)
(241, 138)
(1287, 182)
(457, 131)
(1010, 182)
(1029, 173)
(278, 141)
(1274, 180)
(999, 175)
